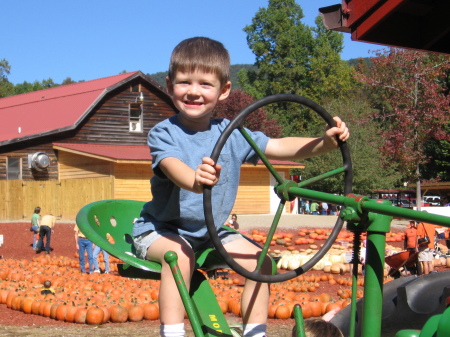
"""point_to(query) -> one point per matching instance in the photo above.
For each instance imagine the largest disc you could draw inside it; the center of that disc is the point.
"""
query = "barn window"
(135, 117)
(14, 169)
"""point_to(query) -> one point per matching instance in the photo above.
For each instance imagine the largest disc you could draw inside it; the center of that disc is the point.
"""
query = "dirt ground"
(17, 245)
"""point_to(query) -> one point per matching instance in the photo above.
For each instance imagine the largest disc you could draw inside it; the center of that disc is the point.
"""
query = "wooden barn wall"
(253, 195)
(132, 181)
(72, 166)
(22, 152)
(62, 199)
(109, 124)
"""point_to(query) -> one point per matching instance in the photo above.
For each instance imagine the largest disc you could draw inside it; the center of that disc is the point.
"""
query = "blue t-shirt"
(180, 210)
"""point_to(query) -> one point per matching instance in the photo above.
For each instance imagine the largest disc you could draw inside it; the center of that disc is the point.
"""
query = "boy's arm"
(186, 178)
(302, 147)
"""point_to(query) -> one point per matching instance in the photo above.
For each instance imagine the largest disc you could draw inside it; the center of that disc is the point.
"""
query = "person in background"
(317, 327)
(46, 229)
(96, 253)
(333, 209)
(411, 237)
(324, 208)
(47, 288)
(314, 208)
(307, 209)
(426, 251)
(233, 222)
(35, 220)
(84, 245)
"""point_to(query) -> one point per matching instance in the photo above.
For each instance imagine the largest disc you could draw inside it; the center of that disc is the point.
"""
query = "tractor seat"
(109, 224)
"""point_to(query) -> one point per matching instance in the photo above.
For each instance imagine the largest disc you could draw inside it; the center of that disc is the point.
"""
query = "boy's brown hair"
(201, 53)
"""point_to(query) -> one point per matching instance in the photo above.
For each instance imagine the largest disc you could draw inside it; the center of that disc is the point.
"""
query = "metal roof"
(118, 153)
(57, 109)
(108, 152)
(413, 24)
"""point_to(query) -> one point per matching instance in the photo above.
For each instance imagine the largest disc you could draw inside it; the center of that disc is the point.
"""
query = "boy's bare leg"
(170, 305)
(255, 297)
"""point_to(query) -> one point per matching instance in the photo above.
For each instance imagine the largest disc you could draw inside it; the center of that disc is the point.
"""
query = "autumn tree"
(256, 121)
(413, 105)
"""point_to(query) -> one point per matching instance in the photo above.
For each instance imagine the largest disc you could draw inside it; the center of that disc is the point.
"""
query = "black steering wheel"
(237, 123)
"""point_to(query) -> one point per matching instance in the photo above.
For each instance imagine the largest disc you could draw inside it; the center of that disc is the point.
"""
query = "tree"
(368, 170)
(415, 108)
(282, 45)
(256, 121)
(293, 58)
(438, 152)
(68, 80)
(329, 77)
(25, 87)
(5, 86)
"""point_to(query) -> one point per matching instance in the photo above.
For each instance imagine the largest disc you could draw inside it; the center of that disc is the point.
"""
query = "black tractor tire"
(408, 302)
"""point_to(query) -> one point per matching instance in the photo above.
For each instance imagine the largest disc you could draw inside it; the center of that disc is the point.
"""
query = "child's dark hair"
(37, 210)
(200, 53)
(47, 284)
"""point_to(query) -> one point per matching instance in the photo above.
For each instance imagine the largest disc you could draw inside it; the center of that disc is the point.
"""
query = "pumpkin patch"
(106, 298)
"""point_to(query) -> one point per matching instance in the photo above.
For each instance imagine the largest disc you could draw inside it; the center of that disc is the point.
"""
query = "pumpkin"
(135, 313)
(61, 312)
(26, 305)
(119, 314)
(282, 312)
(80, 315)
(94, 316)
(70, 313)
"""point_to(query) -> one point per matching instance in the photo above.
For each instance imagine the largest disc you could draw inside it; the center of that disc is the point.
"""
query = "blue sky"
(85, 40)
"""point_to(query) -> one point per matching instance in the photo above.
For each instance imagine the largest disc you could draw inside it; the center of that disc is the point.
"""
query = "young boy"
(180, 146)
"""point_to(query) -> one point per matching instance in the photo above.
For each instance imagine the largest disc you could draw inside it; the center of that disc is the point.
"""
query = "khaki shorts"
(144, 241)
(426, 255)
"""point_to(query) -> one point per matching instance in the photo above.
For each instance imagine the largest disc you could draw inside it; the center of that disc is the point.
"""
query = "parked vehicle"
(433, 200)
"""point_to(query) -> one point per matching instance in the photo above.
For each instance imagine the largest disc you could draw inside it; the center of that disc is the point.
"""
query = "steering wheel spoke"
(285, 189)
(321, 177)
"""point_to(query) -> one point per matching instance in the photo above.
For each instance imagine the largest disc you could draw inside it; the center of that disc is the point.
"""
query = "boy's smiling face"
(195, 94)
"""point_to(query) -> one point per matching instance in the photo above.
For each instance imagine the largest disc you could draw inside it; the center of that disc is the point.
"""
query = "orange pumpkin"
(94, 316)
(80, 315)
(119, 314)
(282, 312)
(70, 313)
(135, 313)
(151, 311)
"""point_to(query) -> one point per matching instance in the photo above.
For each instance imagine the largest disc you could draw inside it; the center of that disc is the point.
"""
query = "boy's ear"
(169, 85)
(225, 91)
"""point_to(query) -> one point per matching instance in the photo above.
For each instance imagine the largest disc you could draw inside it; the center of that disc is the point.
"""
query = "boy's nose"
(193, 90)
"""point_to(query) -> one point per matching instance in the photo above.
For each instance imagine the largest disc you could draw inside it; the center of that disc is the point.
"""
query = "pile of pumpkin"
(298, 249)
(302, 290)
(101, 298)
(79, 298)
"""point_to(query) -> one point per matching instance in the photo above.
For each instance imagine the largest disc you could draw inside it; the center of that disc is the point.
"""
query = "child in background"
(47, 288)
(180, 146)
(35, 219)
